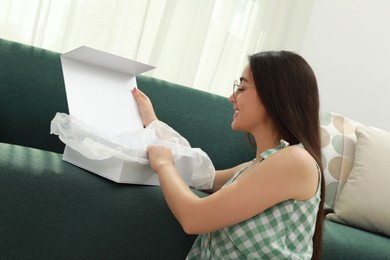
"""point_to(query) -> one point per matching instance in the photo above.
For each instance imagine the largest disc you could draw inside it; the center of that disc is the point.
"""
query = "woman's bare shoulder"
(298, 168)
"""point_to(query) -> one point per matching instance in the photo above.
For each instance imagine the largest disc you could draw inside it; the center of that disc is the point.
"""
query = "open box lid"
(98, 89)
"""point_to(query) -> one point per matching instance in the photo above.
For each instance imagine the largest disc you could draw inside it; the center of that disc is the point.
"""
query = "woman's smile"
(236, 112)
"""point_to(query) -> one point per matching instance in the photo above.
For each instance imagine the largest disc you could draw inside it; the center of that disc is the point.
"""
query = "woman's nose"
(232, 99)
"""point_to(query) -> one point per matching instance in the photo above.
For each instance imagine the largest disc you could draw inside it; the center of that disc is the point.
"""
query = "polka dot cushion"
(338, 141)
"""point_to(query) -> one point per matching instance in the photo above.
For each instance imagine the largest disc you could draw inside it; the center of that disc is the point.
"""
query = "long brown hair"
(288, 89)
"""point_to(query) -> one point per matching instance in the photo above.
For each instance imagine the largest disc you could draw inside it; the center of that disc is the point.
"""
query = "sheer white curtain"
(197, 43)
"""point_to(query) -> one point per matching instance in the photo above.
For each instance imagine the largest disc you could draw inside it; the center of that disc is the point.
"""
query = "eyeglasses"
(237, 89)
(236, 86)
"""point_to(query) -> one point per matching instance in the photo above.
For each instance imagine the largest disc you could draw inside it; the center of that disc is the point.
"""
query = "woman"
(270, 207)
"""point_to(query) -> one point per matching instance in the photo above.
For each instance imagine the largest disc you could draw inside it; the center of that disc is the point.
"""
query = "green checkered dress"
(283, 231)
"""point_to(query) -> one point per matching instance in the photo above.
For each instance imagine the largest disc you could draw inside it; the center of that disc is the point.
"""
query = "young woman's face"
(249, 112)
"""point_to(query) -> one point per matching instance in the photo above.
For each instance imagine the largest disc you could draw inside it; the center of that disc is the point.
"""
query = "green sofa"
(50, 209)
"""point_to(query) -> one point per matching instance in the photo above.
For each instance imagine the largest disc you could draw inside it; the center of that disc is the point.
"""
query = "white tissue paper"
(97, 144)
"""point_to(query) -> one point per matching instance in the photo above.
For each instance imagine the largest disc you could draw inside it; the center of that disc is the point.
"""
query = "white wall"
(348, 45)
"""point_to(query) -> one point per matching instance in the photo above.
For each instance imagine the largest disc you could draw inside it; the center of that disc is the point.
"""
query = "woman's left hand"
(145, 106)
(159, 157)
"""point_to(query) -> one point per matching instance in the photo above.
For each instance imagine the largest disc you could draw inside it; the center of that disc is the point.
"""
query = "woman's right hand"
(159, 156)
(145, 106)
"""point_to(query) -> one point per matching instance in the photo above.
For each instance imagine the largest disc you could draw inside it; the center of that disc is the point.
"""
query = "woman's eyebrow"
(243, 79)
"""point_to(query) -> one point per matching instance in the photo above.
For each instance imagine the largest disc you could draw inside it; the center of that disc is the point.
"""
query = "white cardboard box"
(98, 89)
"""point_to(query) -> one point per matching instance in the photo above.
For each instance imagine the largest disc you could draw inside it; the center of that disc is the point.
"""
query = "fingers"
(158, 147)
(159, 156)
(145, 106)
(159, 153)
(136, 94)
(140, 96)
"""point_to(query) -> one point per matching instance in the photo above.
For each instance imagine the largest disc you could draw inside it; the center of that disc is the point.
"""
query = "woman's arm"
(288, 174)
(222, 176)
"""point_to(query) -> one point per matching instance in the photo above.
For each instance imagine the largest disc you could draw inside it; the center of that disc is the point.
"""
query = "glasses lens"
(235, 85)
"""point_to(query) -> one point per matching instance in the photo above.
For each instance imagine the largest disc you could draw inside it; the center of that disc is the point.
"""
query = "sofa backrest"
(338, 140)
(32, 91)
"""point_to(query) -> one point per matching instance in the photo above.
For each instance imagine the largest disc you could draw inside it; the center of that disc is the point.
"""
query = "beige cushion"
(365, 199)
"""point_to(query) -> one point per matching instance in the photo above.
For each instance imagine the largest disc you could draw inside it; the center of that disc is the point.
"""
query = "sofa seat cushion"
(51, 209)
(344, 242)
